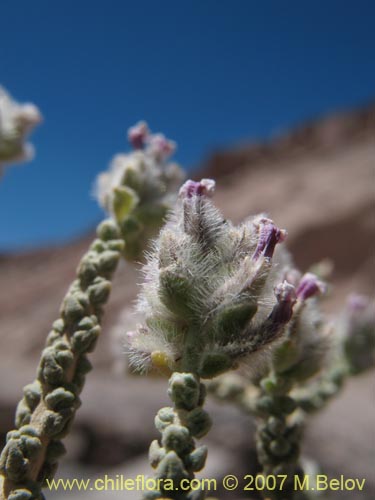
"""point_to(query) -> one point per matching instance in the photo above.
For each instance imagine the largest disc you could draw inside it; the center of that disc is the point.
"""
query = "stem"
(177, 459)
(316, 395)
(44, 415)
(278, 436)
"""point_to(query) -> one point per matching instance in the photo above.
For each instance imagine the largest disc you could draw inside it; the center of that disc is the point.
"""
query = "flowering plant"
(16, 123)
(222, 309)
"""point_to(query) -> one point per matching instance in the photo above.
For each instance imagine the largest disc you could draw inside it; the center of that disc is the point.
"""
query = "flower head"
(205, 187)
(139, 189)
(16, 123)
(207, 303)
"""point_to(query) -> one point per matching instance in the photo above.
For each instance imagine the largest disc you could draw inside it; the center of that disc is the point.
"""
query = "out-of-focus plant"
(137, 193)
(140, 188)
(352, 353)
(16, 123)
(305, 372)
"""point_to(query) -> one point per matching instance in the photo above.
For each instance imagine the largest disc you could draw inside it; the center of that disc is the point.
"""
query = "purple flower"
(138, 134)
(204, 187)
(269, 236)
(309, 286)
(359, 311)
(357, 303)
(286, 298)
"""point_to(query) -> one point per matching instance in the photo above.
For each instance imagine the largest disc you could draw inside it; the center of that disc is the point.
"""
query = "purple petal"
(269, 236)
(161, 147)
(309, 286)
(357, 303)
(286, 298)
(138, 134)
(205, 187)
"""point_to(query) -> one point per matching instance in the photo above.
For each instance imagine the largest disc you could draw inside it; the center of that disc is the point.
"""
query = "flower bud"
(137, 135)
(286, 298)
(309, 286)
(205, 187)
(269, 236)
(160, 147)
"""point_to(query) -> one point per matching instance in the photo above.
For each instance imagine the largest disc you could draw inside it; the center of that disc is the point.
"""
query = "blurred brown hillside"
(318, 182)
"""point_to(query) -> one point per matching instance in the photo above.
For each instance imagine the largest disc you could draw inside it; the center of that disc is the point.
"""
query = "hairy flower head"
(16, 123)
(211, 296)
(140, 187)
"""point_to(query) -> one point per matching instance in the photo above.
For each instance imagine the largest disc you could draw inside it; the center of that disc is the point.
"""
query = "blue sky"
(208, 73)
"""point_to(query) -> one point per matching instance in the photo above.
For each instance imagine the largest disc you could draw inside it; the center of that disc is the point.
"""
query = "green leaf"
(124, 201)
(214, 364)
